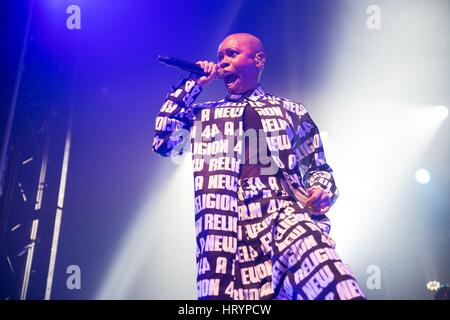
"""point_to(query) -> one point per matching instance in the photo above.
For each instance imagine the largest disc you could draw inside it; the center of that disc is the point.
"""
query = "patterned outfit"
(255, 239)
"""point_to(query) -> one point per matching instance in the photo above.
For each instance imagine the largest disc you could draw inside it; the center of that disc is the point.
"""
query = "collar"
(253, 95)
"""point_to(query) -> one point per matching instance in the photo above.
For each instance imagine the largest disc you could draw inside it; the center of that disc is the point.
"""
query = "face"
(238, 61)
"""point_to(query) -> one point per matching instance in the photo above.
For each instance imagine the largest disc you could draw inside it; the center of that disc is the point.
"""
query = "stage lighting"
(422, 176)
(440, 112)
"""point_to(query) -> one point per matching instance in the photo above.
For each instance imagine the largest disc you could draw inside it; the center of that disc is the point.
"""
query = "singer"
(262, 184)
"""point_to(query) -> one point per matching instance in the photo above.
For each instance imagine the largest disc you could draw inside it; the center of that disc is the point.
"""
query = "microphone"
(183, 65)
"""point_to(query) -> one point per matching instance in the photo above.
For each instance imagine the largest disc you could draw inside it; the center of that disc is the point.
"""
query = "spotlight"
(440, 112)
(422, 176)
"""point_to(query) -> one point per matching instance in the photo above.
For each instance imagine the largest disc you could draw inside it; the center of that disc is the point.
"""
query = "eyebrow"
(230, 48)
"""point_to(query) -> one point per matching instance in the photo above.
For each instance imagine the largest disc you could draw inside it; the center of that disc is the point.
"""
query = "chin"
(233, 90)
(236, 90)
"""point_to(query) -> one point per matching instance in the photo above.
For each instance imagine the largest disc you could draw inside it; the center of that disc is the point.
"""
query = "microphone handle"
(182, 64)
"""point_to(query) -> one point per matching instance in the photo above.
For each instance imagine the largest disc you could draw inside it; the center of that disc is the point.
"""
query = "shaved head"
(241, 59)
(247, 40)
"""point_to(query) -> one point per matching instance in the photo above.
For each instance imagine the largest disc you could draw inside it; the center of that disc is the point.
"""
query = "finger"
(201, 64)
(207, 69)
(325, 210)
(323, 201)
(207, 66)
(215, 71)
(313, 210)
(311, 199)
(314, 196)
(204, 64)
(320, 204)
(317, 205)
(317, 211)
(211, 69)
(219, 72)
(318, 199)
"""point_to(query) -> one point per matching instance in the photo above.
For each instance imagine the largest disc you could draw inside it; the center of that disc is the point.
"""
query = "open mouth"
(230, 78)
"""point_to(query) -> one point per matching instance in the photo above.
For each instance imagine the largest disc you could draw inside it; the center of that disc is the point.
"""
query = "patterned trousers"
(282, 251)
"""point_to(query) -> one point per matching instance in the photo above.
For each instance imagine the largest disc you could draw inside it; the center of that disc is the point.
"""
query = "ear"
(260, 59)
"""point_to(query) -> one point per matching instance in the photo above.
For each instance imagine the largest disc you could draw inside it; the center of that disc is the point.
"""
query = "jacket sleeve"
(174, 120)
(314, 169)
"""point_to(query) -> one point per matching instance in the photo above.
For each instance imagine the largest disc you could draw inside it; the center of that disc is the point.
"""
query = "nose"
(223, 64)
